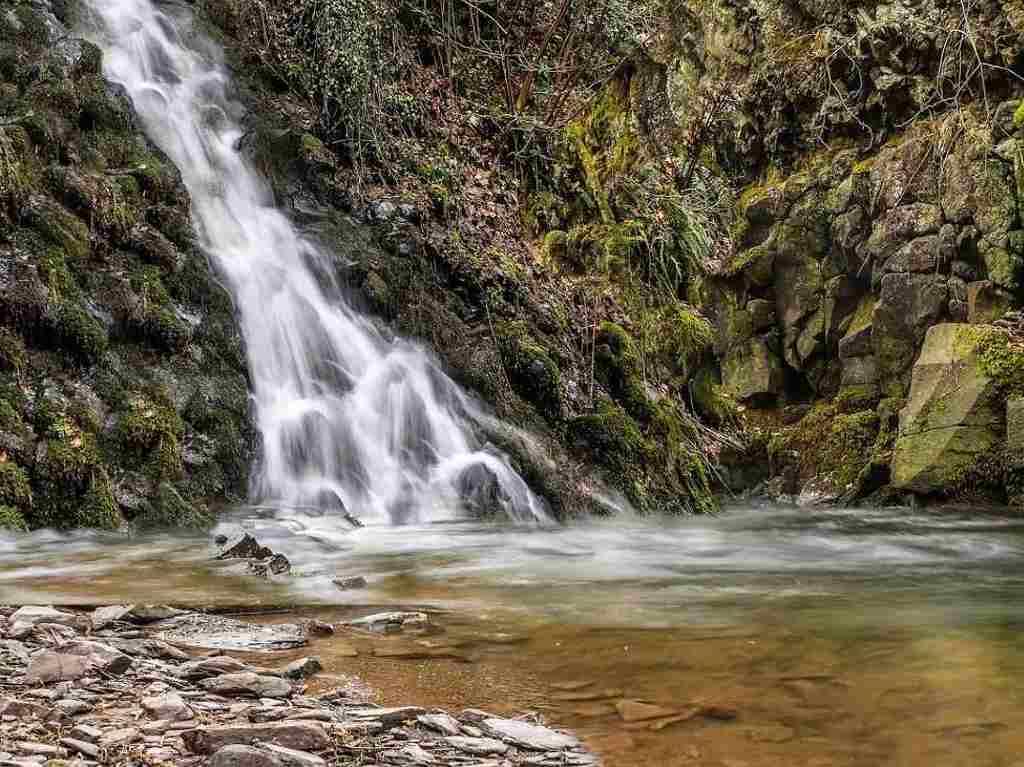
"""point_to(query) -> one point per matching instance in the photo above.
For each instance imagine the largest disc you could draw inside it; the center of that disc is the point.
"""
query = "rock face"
(953, 413)
(122, 378)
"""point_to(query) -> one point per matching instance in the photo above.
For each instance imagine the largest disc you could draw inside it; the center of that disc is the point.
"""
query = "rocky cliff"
(122, 381)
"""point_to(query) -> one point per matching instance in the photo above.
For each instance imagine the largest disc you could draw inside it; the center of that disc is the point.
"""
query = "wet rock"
(302, 668)
(392, 622)
(443, 723)
(246, 547)
(302, 736)
(169, 707)
(351, 582)
(248, 683)
(638, 711)
(218, 633)
(525, 735)
(477, 746)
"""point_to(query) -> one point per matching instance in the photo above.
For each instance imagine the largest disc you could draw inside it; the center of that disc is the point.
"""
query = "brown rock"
(637, 711)
(303, 736)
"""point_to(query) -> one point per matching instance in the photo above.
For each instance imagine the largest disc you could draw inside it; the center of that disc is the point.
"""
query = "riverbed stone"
(443, 723)
(302, 736)
(302, 668)
(291, 757)
(953, 414)
(104, 616)
(167, 707)
(390, 622)
(49, 666)
(239, 755)
(32, 615)
(638, 711)
(477, 746)
(248, 683)
(525, 735)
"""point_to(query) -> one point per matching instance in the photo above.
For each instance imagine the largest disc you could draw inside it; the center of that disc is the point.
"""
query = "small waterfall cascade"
(350, 419)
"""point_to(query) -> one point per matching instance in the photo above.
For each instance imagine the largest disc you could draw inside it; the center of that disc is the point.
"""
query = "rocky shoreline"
(140, 685)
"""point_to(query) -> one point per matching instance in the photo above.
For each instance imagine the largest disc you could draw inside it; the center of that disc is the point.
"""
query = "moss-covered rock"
(531, 371)
(954, 412)
(12, 520)
(169, 510)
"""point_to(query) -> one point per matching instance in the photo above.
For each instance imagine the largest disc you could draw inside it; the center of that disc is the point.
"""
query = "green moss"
(617, 365)
(613, 439)
(857, 397)
(71, 487)
(12, 351)
(556, 245)
(150, 434)
(15, 489)
(530, 369)
(79, 333)
(12, 519)
(169, 510)
(1018, 116)
(710, 401)
(833, 445)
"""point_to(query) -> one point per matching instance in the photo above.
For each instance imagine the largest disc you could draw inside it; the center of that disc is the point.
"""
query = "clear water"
(350, 418)
(842, 637)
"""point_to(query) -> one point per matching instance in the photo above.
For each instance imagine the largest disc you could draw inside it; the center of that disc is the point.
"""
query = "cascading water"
(349, 419)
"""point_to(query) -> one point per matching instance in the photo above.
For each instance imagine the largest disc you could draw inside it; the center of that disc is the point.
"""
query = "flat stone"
(637, 711)
(291, 757)
(205, 668)
(104, 616)
(148, 648)
(168, 707)
(122, 736)
(86, 732)
(144, 614)
(39, 749)
(103, 657)
(71, 707)
(393, 715)
(525, 735)
(443, 723)
(352, 582)
(391, 621)
(244, 756)
(90, 750)
(477, 746)
(49, 666)
(248, 683)
(218, 633)
(33, 615)
(302, 736)
(302, 668)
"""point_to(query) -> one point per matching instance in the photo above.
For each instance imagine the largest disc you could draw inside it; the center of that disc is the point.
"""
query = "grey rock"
(394, 715)
(291, 757)
(443, 723)
(350, 582)
(248, 683)
(102, 657)
(302, 668)
(33, 615)
(71, 707)
(477, 746)
(144, 614)
(244, 756)
(86, 732)
(209, 667)
(104, 616)
(167, 707)
(122, 736)
(32, 748)
(525, 735)
(90, 750)
(391, 621)
(148, 648)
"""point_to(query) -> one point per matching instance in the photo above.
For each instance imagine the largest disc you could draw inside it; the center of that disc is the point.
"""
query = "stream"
(839, 637)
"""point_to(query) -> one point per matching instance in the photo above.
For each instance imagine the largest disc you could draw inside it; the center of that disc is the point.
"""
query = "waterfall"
(350, 419)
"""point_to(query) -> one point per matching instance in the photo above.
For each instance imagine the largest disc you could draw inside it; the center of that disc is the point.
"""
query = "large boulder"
(954, 413)
(752, 370)
(907, 306)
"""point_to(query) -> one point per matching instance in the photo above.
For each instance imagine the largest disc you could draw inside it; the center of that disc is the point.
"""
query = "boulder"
(857, 340)
(986, 302)
(752, 370)
(907, 306)
(953, 413)
(1015, 425)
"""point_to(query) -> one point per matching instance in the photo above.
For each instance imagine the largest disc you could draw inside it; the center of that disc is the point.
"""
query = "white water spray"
(350, 420)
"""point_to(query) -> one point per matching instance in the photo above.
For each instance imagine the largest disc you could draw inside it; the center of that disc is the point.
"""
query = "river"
(840, 637)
